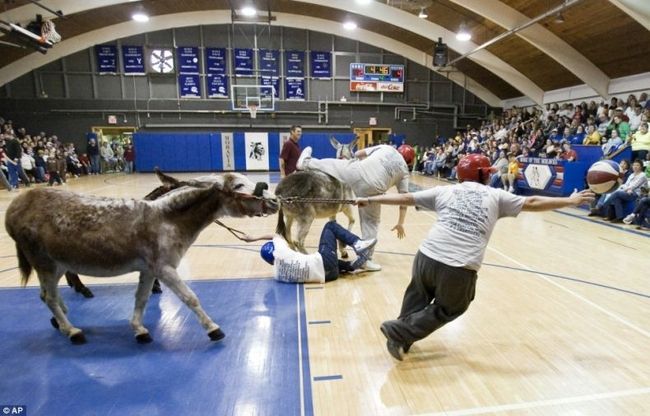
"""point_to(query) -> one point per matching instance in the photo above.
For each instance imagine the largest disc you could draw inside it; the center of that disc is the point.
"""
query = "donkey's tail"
(281, 228)
(24, 265)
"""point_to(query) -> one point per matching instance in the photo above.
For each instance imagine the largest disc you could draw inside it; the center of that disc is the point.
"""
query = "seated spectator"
(640, 142)
(568, 153)
(612, 144)
(641, 215)
(579, 136)
(629, 191)
(28, 164)
(108, 157)
(592, 137)
(40, 167)
(499, 168)
(86, 166)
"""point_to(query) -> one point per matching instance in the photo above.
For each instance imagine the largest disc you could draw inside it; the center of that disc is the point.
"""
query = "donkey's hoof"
(86, 292)
(216, 334)
(344, 255)
(54, 323)
(78, 338)
(143, 338)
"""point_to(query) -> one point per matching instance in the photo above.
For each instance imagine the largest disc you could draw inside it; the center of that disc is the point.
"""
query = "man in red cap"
(443, 277)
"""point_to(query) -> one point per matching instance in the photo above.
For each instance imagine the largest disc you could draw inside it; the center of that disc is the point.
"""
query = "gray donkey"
(314, 184)
(122, 236)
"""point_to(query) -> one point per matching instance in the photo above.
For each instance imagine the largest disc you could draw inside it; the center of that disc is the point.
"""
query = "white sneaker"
(628, 220)
(363, 245)
(511, 189)
(371, 266)
(304, 158)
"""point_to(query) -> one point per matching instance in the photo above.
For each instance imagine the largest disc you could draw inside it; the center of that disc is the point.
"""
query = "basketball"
(407, 152)
(603, 176)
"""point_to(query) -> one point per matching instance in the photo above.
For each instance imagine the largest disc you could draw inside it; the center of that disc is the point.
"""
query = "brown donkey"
(119, 236)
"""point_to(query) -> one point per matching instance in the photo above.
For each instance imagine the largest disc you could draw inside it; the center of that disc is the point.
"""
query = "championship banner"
(133, 60)
(269, 63)
(257, 151)
(189, 86)
(215, 61)
(228, 151)
(188, 60)
(106, 59)
(217, 86)
(295, 89)
(321, 66)
(243, 62)
(271, 82)
(295, 64)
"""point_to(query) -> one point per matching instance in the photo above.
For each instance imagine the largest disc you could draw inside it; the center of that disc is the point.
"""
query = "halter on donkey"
(298, 191)
(123, 236)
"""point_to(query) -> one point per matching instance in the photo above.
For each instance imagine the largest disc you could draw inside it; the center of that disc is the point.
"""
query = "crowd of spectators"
(551, 132)
(26, 159)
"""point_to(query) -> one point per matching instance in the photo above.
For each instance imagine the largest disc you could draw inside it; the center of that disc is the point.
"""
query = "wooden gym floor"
(560, 324)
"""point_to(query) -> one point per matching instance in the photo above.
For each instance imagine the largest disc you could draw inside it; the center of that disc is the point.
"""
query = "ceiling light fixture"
(423, 13)
(463, 34)
(248, 11)
(140, 17)
(349, 25)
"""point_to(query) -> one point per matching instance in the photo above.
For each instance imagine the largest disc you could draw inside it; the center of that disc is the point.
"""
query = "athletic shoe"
(394, 348)
(628, 220)
(511, 190)
(371, 266)
(363, 245)
(304, 158)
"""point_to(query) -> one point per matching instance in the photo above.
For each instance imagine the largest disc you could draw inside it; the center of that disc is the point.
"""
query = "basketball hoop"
(48, 33)
(252, 109)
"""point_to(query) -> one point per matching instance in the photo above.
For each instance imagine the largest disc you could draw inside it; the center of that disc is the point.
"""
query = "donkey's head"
(344, 151)
(241, 197)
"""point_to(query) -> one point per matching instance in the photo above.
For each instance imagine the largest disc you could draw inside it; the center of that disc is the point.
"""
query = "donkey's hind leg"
(49, 285)
(170, 278)
(141, 297)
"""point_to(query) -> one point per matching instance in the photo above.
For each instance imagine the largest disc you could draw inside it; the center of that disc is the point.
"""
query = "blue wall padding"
(196, 152)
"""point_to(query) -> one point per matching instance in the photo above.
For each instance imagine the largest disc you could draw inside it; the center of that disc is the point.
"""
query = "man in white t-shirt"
(443, 278)
(373, 171)
(323, 266)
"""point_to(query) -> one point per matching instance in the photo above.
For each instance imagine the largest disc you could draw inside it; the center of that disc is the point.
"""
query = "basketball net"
(252, 108)
(48, 32)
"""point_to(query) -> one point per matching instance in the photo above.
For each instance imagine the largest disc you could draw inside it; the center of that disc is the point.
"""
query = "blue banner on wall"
(321, 64)
(269, 63)
(271, 82)
(217, 86)
(189, 86)
(243, 62)
(133, 60)
(215, 61)
(295, 64)
(295, 89)
(188, 60)
(106, 59)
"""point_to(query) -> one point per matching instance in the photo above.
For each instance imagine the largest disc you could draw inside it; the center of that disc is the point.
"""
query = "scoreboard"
(376, 78)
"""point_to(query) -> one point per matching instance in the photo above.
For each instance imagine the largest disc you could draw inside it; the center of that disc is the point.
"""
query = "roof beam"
(162, 22)
(429, 30)
(638, 10)
(541, 38)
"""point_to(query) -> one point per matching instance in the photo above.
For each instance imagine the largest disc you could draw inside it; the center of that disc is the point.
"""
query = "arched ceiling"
(599, 40)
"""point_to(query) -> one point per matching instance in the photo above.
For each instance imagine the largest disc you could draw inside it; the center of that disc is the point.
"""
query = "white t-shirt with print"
(293, 267)
(467, 214)
(384, 168)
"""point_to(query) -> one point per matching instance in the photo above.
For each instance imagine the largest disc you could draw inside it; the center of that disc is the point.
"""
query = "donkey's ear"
(165, 179)
(354, 142)
(335, 143)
